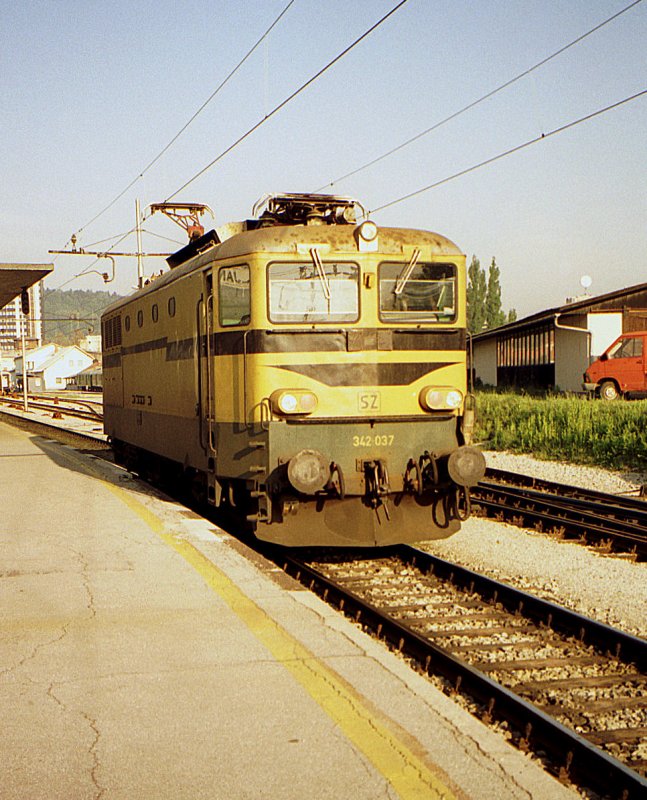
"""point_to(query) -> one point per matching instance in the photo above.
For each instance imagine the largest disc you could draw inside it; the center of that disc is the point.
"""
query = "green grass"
(611, 435)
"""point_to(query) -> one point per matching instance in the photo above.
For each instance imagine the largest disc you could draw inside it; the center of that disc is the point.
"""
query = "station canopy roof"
(16, 277)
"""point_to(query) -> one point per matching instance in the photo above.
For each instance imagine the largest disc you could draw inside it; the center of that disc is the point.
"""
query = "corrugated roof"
(550, 313)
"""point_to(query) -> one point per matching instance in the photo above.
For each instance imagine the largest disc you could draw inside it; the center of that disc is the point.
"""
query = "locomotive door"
(206, 371)
(113, 378)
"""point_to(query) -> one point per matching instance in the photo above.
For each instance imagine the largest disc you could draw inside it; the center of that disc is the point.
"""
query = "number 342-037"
(373, 440)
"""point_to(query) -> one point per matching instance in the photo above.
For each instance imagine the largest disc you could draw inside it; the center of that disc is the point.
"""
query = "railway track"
(613, 523)
(55, 407)
(572, 689)
(84, 440)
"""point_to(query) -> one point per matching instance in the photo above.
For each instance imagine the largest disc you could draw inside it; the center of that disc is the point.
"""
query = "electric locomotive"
(305, 369)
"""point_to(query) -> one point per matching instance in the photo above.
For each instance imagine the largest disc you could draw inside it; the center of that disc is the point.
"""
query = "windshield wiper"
(316, 260)
(404, 276)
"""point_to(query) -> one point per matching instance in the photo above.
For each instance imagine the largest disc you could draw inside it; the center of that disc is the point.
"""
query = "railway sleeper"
(476, 632)
(471, 617)
(432, 605)
(616, 736)
(614, 703)
(585, 716)
(476, 647)
(592, 681)
(537, 663)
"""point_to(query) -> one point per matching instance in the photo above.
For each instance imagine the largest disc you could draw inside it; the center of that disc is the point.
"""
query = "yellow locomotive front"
(332, 380)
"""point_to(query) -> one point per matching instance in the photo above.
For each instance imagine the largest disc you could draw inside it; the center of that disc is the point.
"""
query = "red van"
(621, 369)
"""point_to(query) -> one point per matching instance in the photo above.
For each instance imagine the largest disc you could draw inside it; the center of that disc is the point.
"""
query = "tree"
(494, 314)
(476, 292)
(71, 313)
(484, 298)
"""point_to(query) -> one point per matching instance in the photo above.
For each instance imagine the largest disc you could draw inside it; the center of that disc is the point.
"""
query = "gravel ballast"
(607, 588)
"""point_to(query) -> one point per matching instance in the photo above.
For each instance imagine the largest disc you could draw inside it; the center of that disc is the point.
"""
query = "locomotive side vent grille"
(112, 332)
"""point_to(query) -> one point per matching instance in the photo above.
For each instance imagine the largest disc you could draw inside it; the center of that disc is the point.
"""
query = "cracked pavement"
(123, 674)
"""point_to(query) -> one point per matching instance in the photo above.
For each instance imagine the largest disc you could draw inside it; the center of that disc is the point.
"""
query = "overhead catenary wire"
(103, 241)
(281, 105)
(445, 180)
(481, 164)
(166, 238)
(481, 99)
(186, 124)
(542, 137)
(256, 126)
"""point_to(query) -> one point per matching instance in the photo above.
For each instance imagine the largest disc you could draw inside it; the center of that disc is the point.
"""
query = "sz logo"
(368, 401)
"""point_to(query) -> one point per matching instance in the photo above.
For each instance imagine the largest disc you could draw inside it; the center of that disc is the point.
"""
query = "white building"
(91, 343)
(13, 322)
(49, 367)
(6, 372)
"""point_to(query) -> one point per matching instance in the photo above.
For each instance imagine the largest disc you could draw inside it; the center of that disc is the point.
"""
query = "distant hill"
(69, 315)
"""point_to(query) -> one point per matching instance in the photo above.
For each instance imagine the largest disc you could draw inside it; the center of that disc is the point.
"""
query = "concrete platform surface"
(147, 654)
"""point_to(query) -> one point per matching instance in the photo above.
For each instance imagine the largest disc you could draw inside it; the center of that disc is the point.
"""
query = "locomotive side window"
(155, 312)
(140, 318)
(233, 295)
(410, 292)
(313, 291)
(171, 306)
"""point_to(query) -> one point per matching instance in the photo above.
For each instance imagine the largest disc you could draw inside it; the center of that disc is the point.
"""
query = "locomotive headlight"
(307, 402)
(366, 236)
(287, 403)
(439, 398)
(368, 230)
(454, 398)
(293, 401)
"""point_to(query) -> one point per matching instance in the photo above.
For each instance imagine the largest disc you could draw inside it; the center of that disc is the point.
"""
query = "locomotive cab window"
(413, 292)
(313, 291)
(234, 295)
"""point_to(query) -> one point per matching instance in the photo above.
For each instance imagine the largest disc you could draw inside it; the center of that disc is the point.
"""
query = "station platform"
(148, 654)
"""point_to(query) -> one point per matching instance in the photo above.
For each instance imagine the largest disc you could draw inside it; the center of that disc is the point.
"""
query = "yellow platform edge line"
(410, 777)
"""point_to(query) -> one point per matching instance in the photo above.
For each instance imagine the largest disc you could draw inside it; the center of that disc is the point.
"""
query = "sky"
(91, 92)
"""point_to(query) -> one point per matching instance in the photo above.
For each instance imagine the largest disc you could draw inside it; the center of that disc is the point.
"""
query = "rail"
(613, 523)
(415, 628)
(57, 409)
(461, 639)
